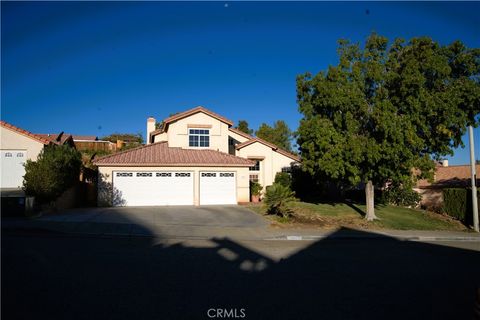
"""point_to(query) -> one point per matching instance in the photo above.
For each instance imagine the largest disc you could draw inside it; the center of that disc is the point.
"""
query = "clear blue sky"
(101, 67)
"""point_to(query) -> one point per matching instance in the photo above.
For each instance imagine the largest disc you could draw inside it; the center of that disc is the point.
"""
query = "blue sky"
(101, 67)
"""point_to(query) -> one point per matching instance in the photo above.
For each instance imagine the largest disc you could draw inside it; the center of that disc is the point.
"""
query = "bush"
(255, 188)
(457, 203)
(57, 168)
(400, 195)
(277, 199)
(284, 179)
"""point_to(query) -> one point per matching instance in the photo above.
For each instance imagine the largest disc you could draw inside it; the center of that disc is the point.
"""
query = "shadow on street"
(63, 277)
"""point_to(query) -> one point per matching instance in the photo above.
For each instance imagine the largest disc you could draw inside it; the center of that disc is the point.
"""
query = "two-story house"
(195, 158)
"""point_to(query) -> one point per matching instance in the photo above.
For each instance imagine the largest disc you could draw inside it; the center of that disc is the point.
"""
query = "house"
(92, 143)
(195, 158)
(458, 176)
(17, 146)
(61, 138)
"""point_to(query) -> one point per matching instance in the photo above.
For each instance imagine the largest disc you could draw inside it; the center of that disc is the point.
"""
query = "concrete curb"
(373, 236)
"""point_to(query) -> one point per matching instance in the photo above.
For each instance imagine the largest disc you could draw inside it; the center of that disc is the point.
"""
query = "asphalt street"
(77, 277)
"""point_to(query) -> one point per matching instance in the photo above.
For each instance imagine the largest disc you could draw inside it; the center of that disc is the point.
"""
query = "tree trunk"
(369, 193)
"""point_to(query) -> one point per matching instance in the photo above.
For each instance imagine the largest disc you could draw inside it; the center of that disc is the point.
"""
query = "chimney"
(150, 128)
(445, 163)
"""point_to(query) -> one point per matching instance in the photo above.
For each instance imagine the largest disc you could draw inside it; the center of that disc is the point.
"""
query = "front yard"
(331, 216)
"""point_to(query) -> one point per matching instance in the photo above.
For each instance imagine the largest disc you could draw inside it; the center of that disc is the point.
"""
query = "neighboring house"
(195, 158)
(61, 138)
(17, 146)
(92, 143)
(458, 176)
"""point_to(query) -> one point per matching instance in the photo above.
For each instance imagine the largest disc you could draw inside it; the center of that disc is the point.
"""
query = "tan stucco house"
(195, 158)
(16, 147)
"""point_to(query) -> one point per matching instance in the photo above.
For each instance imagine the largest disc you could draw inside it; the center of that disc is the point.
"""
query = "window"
(227, 174)
(144, 174)
(256, 167)
(182, 174)
(254, 177)
(208, 174)
(8, 155)
(287, 169)
(199, 138)
(19, 155)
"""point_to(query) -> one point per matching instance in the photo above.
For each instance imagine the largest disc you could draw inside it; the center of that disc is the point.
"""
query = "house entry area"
(153, 188)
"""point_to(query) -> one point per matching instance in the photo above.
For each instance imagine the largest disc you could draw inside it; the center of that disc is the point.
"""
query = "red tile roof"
(25, 133)
(187, 113)
(159, 154)
(451, 176)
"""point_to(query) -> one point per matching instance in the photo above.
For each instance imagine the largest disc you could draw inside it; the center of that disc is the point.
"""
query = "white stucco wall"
(105, 180)
(160, 137)
(237, 137)
(11, 140)
(178, 132)
(270, 165)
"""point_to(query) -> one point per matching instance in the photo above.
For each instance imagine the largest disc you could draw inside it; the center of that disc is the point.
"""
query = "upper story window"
(256, 167)
(199, 138)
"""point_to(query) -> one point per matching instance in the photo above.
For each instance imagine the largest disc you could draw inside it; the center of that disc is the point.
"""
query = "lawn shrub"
(401, 195)
(57, 168)
(277, 199)
(284, 179)
(255, 188)
(457, 203)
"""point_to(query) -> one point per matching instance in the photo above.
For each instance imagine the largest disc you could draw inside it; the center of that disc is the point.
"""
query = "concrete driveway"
(167, 221)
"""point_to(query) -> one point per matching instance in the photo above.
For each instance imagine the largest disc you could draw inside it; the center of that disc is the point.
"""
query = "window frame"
(201, 133)
(256, 167)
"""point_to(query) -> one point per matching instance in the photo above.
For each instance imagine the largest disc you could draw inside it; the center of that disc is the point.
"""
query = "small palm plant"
(277, 199)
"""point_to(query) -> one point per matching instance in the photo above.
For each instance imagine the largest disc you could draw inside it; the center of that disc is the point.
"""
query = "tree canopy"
(57, 168)
(243, 126)
(279, 134)
(386, 109)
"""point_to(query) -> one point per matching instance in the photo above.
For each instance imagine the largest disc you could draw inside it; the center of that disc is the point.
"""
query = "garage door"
(152, 188)
(12, 162)
(218, 188)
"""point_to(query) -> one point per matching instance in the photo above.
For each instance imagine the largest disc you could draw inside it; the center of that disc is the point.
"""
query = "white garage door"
(218, 188)
(152, 188)
(12, 162)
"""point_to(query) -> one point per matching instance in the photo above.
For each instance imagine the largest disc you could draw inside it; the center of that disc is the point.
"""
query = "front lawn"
(351, 215)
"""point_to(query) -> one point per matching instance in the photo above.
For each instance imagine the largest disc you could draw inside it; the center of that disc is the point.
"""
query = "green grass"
(341, 214)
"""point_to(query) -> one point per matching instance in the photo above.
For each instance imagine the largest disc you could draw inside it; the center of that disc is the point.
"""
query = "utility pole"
(474, 178)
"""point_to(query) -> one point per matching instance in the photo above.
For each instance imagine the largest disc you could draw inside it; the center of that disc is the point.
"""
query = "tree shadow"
(345, 276)
(108, 195)
(354, 207)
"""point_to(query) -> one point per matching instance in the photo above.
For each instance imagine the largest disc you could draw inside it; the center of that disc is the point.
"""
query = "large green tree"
(280, 134)
(387, 109)
(243, 126)
(57, 168)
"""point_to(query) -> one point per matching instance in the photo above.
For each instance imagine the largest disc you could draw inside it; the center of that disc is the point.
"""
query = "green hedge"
(457, 203)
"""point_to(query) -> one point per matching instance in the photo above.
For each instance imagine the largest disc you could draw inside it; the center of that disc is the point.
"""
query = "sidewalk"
(88, 228)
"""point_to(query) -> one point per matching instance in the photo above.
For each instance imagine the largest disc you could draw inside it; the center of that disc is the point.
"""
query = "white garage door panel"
(152, 188)
(218, 188)
(13, 170)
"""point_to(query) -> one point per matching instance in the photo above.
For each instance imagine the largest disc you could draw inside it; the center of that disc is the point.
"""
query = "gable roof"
(26, 133)
(450, 176)
(255, 139)
(160, 154)
(60, 138)
(241, 133)
(268, 144)
(188, 113)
